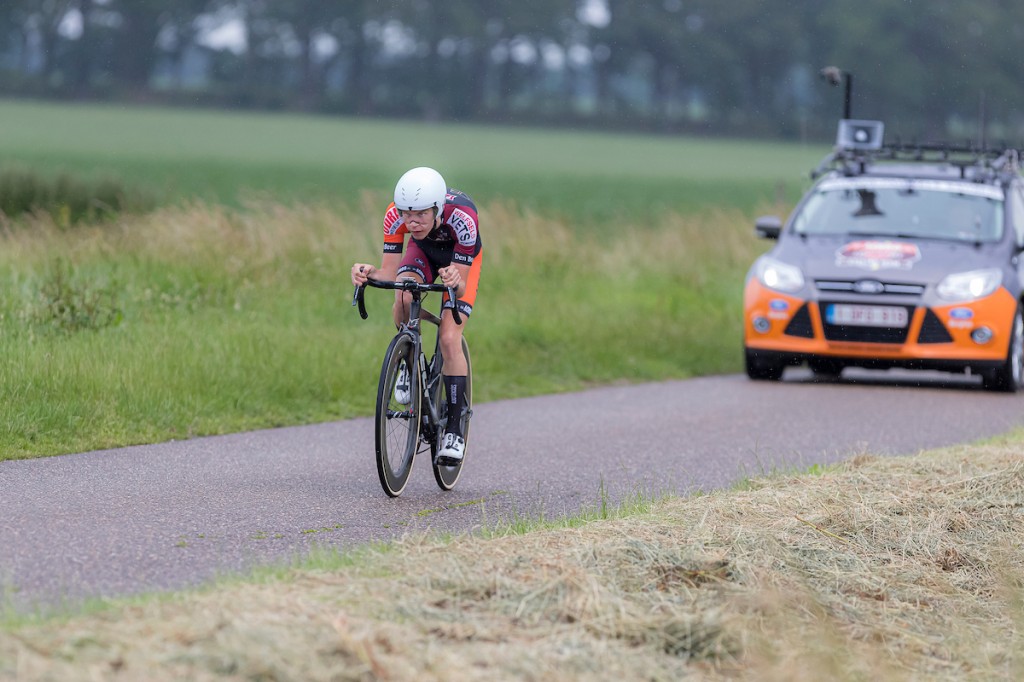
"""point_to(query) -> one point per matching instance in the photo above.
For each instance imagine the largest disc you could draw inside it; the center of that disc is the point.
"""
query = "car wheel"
(761, 368)
(1010, 376)
(826, 368)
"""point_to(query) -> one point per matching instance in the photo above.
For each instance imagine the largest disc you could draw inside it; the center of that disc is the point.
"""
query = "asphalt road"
(165, 516)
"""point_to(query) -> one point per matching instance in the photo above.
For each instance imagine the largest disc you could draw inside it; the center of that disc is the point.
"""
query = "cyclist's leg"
(451, 333)
(456, 366)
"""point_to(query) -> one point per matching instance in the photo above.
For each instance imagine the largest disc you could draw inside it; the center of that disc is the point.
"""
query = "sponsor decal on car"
(961, 318)
(778, 309)
(878, 255)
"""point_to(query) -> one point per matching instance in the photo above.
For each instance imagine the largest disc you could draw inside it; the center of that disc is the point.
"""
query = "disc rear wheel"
(398, 423)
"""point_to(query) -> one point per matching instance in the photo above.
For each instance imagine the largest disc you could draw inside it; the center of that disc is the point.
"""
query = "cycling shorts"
(424, 259)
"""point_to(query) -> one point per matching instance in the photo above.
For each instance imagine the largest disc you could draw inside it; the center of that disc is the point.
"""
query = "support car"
(897, 256)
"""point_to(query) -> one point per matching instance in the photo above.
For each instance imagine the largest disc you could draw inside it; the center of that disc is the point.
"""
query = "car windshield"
(898, 207)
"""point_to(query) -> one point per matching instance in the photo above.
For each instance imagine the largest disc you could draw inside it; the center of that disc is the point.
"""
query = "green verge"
(203, 320)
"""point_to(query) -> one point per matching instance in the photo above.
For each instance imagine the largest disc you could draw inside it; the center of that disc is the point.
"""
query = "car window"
(904, 209)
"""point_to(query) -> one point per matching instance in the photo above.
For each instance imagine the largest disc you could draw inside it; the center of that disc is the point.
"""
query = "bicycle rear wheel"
(448, 476)
(398, 425)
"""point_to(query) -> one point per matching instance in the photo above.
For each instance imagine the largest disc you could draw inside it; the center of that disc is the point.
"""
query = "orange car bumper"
(775, 312)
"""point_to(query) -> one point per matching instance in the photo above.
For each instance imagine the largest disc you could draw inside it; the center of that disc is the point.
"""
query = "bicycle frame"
(395, 455)
(429, 378)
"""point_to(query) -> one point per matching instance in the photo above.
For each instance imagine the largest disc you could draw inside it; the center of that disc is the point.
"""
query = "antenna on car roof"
(982, 122)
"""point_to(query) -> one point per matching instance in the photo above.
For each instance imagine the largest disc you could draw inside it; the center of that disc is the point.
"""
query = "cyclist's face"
(418, 222)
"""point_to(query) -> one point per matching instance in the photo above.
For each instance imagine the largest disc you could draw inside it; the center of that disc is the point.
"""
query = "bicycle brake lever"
(455, 305)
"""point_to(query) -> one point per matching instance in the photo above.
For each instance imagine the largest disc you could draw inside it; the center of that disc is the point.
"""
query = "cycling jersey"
(455, 240)
(459, 229)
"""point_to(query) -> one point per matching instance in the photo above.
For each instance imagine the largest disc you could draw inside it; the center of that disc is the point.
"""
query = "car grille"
(800, 324)
(848, 286)
(932, 330)
(858, 334)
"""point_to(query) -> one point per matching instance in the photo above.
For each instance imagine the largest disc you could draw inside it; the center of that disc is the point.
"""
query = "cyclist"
(445, 243)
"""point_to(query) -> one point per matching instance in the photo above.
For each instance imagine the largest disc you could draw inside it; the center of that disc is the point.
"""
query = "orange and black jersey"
(459, 227)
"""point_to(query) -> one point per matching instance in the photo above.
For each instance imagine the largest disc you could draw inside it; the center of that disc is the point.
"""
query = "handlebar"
(405, 285)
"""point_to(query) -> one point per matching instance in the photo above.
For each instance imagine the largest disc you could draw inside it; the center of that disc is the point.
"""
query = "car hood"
(886, 258)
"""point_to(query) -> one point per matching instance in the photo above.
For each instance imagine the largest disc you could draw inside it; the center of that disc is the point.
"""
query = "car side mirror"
(768, 227)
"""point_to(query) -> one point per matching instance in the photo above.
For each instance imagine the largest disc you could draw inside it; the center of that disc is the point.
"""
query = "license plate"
(866, 315)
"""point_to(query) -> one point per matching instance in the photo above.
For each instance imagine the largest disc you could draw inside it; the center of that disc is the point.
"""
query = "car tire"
(1009, 377)
(761, 368)
(830, 369)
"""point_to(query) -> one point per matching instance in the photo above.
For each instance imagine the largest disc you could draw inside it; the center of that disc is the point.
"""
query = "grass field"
(607, 258)
(225, 157)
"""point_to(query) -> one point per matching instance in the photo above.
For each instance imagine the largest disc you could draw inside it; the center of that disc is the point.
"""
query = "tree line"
(930, 69)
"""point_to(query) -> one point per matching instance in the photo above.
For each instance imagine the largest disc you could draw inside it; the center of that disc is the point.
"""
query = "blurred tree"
(140, 22)
(356, 52)
(653, 60)
(179, 30)
(83, 51)
(460, 47)
(933, 62)
(757, 50)
(929, 69)
(301, 26)
(40, 21)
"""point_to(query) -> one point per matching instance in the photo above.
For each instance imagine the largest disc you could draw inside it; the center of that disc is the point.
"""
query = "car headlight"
(777, 275)
(967, 286)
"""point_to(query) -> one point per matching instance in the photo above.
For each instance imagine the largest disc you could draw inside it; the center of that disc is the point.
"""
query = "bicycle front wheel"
(447, 476)
(398, 415)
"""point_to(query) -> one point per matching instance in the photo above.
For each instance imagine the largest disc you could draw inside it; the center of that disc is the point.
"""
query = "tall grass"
(201, 319)
(67, 198)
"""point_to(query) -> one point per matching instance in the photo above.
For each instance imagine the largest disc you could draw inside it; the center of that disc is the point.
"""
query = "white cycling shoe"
(452, 450)
(403, 386)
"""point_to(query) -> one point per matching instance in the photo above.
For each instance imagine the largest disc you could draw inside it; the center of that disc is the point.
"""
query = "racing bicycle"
(402, 431)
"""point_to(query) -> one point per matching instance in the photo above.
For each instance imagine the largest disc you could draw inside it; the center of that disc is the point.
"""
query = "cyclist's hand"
(361, 272)
(451, 277)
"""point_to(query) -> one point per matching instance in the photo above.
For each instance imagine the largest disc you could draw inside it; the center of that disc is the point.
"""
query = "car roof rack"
(989, 163)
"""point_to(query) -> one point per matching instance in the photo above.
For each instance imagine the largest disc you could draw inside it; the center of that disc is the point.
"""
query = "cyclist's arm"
(394, 240)
(387, 270)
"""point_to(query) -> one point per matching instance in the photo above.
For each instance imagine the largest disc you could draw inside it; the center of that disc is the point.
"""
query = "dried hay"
(894, 568)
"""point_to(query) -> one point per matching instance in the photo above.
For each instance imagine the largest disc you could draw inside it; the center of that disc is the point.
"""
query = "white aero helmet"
(420, 188)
